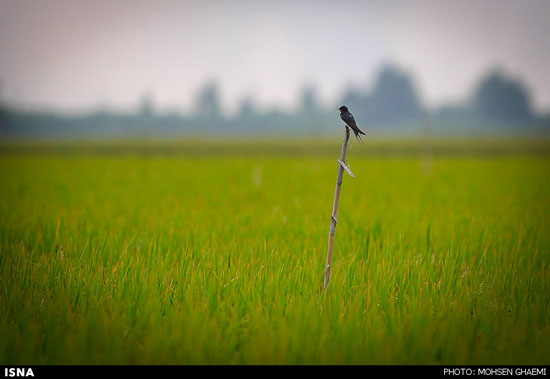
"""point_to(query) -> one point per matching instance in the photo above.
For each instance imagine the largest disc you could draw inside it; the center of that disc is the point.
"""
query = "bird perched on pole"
(348, 118)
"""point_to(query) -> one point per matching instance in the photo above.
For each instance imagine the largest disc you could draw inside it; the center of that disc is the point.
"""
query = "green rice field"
(214, 253)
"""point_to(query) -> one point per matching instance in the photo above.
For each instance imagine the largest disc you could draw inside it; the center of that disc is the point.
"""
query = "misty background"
(257, 68)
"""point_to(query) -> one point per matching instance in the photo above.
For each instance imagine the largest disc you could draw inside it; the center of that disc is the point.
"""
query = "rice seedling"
(127, 259)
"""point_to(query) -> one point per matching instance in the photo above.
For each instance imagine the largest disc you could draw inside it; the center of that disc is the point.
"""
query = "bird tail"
(358, 135)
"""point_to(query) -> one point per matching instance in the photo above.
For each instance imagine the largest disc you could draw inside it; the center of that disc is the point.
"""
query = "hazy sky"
(75, 55)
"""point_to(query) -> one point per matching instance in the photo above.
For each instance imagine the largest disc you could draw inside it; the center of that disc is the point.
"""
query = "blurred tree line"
(498, 104)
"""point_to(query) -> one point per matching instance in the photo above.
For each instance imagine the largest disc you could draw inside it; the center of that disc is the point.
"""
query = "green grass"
(219, 260)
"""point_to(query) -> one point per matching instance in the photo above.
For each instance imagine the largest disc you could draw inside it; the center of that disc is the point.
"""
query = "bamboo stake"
(334, 219)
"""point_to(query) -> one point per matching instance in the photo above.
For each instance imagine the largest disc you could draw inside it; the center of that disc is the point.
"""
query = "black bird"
(347, 117)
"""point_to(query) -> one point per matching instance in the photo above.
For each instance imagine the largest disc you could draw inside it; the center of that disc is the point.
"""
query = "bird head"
(343, 108)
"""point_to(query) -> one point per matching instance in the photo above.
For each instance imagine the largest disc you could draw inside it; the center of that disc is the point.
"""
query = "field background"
(214, 251)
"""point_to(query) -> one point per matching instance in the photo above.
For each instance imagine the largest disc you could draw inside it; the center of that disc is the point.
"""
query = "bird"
(348, 118)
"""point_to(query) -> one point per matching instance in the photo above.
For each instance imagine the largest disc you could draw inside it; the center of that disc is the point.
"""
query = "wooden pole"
(334, 219)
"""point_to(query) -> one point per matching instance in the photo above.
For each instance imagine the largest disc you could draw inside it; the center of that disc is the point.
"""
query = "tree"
(356, 101)
(247, 108)
(309, 102)
(393, 99)
(502, 98)
(207, 100)
(147, 105)
(309, 116)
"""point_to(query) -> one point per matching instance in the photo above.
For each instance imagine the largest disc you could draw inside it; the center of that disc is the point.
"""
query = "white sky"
(74, 55)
